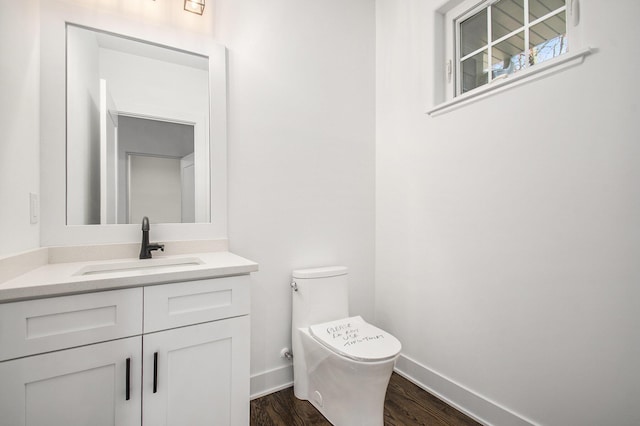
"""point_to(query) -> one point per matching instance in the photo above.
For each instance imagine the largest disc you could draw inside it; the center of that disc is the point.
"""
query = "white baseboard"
(470, 403)
(271, 381)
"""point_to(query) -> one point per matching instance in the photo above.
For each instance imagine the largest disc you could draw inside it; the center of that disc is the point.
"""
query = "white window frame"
(467, 8)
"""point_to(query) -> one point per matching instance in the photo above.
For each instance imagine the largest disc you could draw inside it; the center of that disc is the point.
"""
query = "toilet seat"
(356, 339)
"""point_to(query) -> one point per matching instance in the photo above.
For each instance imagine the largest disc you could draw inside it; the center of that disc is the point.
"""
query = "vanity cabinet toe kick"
(169, 354)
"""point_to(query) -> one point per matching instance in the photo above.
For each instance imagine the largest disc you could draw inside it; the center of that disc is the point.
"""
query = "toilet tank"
(321, 296)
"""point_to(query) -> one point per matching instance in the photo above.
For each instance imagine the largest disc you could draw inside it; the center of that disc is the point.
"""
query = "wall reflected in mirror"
(137, 131)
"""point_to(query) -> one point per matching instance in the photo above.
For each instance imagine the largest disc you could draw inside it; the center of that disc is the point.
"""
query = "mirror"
(137, 131)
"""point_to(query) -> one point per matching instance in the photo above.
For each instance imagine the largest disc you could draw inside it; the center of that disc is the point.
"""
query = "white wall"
(151, 86)
(301, 150)
(19, 115)
(508, 231)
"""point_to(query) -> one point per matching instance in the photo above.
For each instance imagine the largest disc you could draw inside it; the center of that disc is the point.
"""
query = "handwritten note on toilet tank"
(349, 333)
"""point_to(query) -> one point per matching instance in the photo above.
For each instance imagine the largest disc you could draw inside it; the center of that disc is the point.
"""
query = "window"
(505, 37)
(491, 44)
(484, 47)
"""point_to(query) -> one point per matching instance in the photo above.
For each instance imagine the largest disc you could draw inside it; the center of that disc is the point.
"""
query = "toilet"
(341, 364)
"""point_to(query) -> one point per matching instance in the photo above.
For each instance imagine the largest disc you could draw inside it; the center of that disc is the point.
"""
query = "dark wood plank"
(283, 408)
(405, 405)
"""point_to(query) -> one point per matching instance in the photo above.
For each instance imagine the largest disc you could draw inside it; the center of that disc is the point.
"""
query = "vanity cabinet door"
(74, 387)
(197, 375)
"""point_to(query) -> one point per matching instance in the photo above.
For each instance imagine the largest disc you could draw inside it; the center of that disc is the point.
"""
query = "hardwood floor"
(405, 405)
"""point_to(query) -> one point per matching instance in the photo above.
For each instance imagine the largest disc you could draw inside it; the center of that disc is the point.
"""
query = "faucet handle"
(155, 246)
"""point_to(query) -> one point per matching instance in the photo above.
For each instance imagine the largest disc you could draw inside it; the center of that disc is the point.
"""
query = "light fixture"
(194, 6)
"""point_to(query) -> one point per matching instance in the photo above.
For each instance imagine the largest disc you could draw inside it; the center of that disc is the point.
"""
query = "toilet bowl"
(342, 364)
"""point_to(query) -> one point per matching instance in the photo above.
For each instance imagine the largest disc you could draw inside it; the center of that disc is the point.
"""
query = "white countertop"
(57, 279)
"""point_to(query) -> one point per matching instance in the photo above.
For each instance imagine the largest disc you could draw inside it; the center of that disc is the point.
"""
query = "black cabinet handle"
(155, 372)
(128, 379)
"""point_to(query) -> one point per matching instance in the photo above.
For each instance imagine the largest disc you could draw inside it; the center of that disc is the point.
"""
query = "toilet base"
(345, 391)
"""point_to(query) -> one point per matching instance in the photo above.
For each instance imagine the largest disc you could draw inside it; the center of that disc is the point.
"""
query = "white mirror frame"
(54, 230)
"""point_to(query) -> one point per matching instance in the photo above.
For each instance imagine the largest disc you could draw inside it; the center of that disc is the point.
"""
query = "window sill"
(523, 77)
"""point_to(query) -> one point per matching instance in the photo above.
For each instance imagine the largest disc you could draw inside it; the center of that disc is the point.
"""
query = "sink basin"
(139, 266)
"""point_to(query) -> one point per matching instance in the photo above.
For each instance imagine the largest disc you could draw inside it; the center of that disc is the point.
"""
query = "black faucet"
(146, 248)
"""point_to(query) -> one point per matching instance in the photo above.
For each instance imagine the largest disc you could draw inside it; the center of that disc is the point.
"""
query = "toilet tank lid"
(327, 271)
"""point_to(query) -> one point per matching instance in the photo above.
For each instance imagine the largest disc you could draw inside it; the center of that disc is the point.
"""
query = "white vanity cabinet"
(96, 359)
(196, 374)
(74, 387)
(43, 382)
